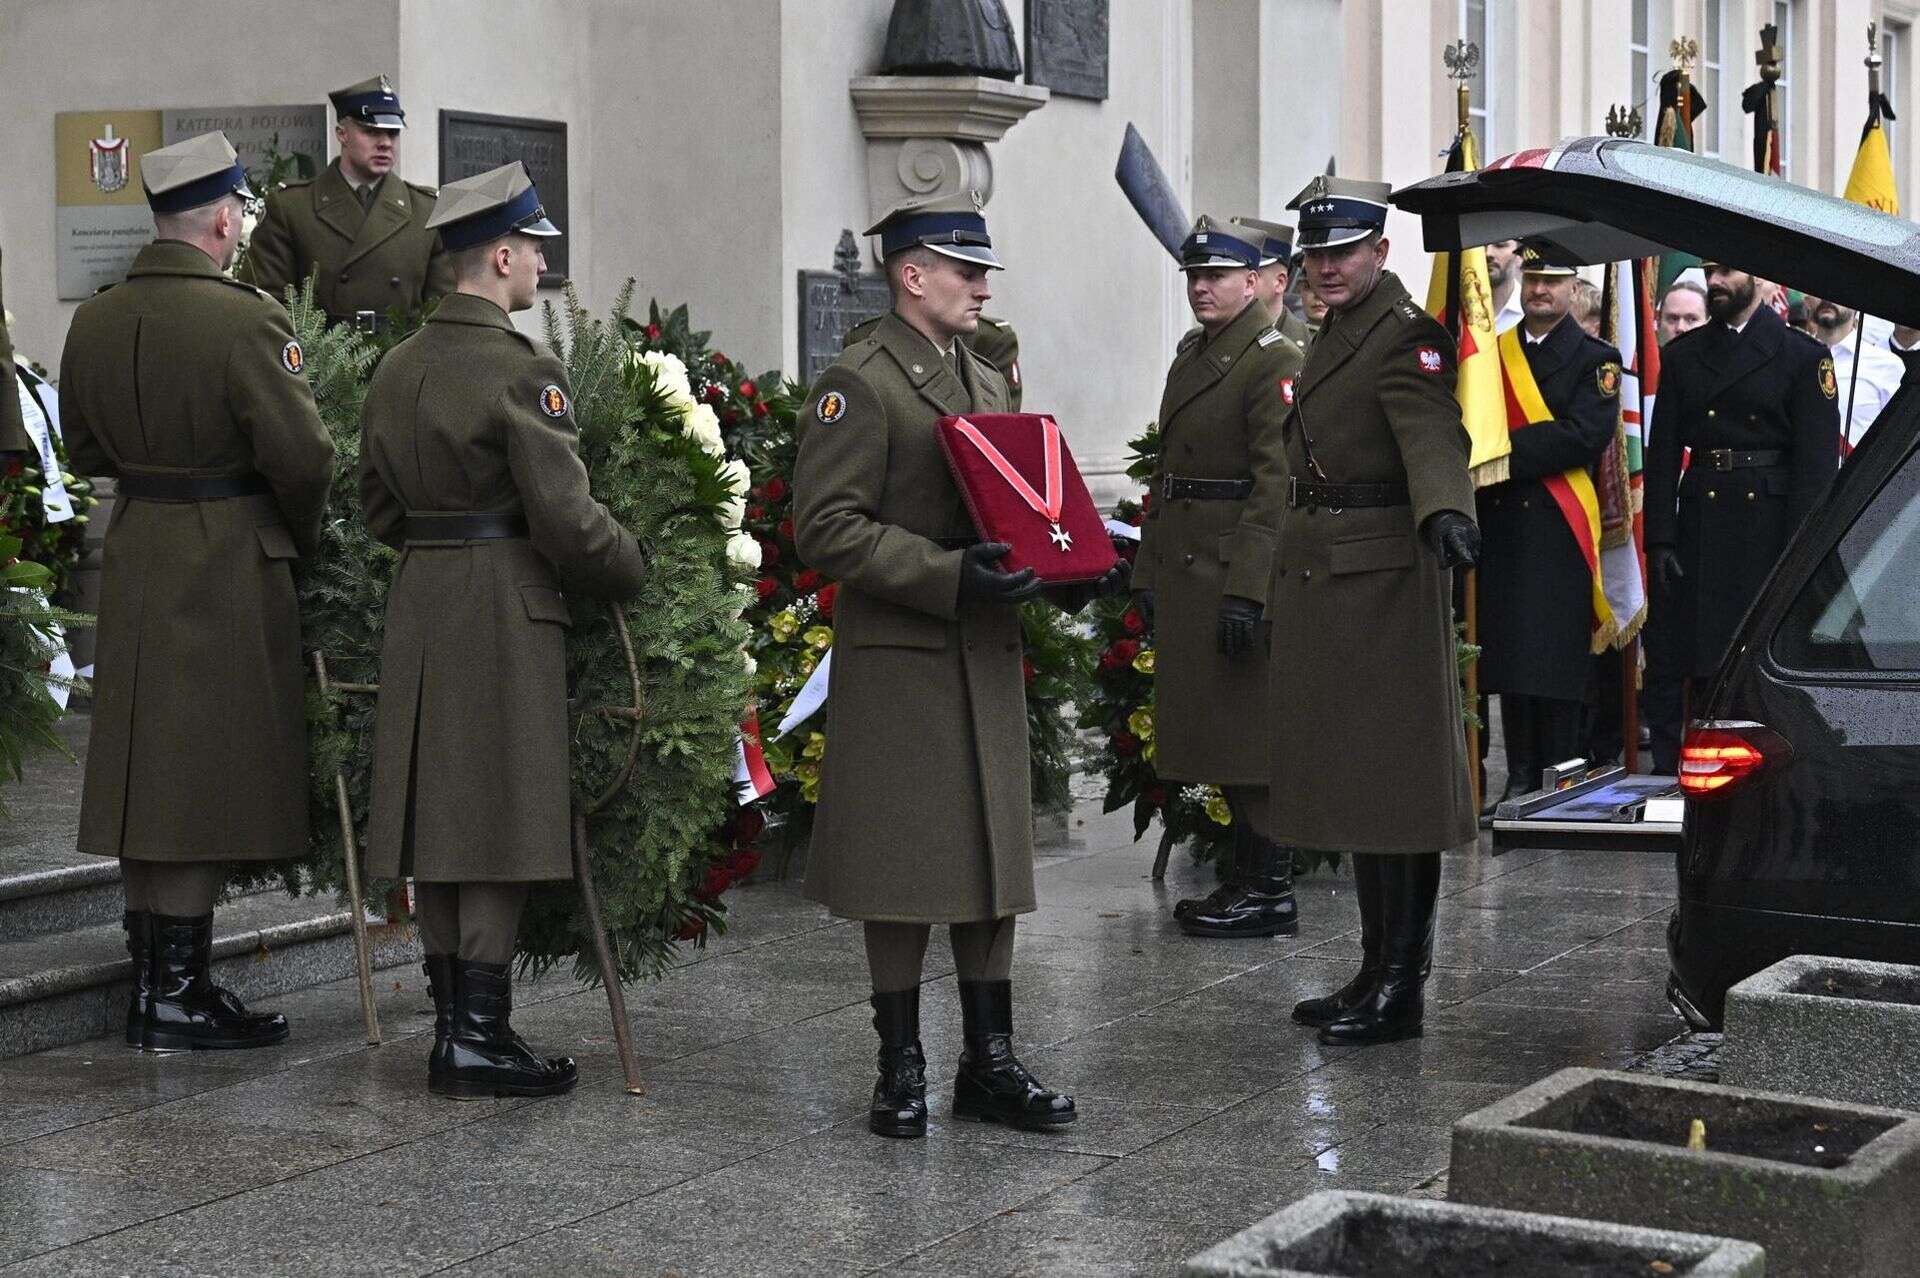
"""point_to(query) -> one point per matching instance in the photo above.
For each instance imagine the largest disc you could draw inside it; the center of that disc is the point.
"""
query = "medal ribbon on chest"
(1047, 507)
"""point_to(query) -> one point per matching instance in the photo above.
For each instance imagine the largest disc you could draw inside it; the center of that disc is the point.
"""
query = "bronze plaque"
(1067, 46)
(831, 303)
(472, 143)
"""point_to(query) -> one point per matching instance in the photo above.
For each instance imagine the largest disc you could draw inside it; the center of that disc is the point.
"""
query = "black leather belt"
(1345, 496)
(1734, 459)
(482, 525)
(1174, 488)
(193, 487)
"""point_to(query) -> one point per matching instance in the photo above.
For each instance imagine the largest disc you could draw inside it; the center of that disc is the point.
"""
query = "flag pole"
(1859, 319)
(1625, 122)
(1462, 57)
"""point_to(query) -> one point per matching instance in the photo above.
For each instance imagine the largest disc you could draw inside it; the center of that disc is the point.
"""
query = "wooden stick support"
(356, 899)
(1630, 705)
(1164, 851)
(609, 971)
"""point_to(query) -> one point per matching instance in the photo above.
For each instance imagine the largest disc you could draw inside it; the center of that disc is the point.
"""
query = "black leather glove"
(1663, 565)
(1143, 600)
(1238, 617)
(1453, 538)
(980, 579)
(1114, 581)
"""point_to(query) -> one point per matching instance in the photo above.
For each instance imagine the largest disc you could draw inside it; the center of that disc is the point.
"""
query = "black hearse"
(1801, 832)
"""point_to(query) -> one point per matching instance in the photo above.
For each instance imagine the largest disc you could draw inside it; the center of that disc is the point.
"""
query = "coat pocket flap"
(276, 541)
(543, 604)
(1372, 554)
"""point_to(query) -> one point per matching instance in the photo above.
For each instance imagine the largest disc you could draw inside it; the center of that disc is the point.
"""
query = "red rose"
(748, 390)
(14, 467)
(1132, 621)
(756, 513)
(747, 825)
(717, 880)
(691, 930)
(1146, 499)
(1125, 743)
(769, 552)
(1125, 650)
(776, 488)
(1027, 669)
(806, 581)
(728, 417)
(760, 408)
(717, 358)
(653, 332)
(714, 393)
(743, 863)
(766, 588)
(1157, 796)
(786, 529)
(828, 593)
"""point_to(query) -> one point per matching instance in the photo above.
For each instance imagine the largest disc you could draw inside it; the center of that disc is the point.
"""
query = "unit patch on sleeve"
(831, 408)
(1431, 361)
(553, 400)
(292, 358)
(1829, 386)
(1607, 376)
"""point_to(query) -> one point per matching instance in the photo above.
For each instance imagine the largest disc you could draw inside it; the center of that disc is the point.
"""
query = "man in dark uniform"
(186, 386)
(926, 676)
(357, 229)
(469, 466)
(1368, 753)
(994, 341)
(1206, 554)
(1536, 584)
(1275, 241)
(1757, 403)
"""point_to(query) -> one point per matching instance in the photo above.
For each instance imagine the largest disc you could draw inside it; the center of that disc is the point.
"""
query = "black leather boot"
(992, 1085)
(136, 921)
(485, 1058)
(900, 1094)
(1232, 882)
(185, 1009)
(1261, 905)
(1366, 891)
(1396, 1007)
(439, 970)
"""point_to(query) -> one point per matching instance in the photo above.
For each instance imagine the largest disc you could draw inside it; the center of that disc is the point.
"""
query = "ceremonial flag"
(1572, 490)
(1627, 320)
(1871, 182)
(1460, 296)
(1674, 128)
(1762, 103)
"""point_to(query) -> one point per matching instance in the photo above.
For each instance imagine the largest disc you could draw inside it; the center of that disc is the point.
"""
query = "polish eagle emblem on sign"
(107, 160)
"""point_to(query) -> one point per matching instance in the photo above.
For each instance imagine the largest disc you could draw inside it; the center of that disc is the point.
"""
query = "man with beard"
(1880, 369)
(1364, 692)
(1503, 277)
(1536, 584)
(1755, 401)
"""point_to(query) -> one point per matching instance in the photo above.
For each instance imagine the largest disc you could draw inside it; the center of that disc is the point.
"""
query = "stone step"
(65, 987)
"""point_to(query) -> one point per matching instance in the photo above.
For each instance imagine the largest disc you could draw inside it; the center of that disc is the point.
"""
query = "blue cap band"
(522, 209)
(1217, 243)
(201, 191)
(367, 106)
(943, 228)
(1329, 220)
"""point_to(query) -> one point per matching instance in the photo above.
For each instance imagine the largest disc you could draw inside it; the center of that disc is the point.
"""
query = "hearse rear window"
(1860, 611)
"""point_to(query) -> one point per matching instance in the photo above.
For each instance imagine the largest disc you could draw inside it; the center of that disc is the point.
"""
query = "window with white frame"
(1713, 84)
(1783, 15)
(1649, 32)
(1477, 28)
(1893, 53)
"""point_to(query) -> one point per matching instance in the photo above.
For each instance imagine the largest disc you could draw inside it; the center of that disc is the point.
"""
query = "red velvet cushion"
(1000, 513)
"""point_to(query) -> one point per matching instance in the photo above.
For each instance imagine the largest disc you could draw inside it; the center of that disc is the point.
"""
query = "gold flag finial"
(1769, 55)
(1684, 51)
(1623, 121)
(1873, 46)
(1462, 59)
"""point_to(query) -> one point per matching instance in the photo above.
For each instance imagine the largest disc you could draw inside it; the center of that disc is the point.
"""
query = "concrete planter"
(1336, 1234)
(1834, 1027)
(1827, 1188)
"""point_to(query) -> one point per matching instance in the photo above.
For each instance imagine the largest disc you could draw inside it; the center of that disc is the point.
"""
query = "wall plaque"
(832, 302)
(471, 143)
(1067, 46)
(101, 219)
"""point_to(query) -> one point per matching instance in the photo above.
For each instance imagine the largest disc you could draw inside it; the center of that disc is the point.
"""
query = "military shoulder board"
(1269, 337)
(1408, 310)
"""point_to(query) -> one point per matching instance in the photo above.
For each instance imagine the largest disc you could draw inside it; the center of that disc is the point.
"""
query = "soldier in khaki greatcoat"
(186, 387)
(1275, 240)
(994, 341)
(1206, 554)
(1368, 753)
(469, 465)
(924, 810)
(358, 230)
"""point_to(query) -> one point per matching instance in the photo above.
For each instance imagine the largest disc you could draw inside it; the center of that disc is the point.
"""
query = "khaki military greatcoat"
(1369, 752)
(13, 431)
(199, 747)
(1224, 404)
(361, 258)
(994, 341)
(925, 814)
(471, 770)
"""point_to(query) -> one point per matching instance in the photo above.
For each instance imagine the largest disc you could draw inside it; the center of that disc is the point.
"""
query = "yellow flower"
(1144, 662)
(784, 625)
(1140, 723)
(1150, 751)
(820, 637)
(809, 774)
(808, 660)
(1217, 810)
(816, 746)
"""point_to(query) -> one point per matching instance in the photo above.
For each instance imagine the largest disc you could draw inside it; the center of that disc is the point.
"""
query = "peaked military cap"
(370, 102)
(1534, 262)
(1335, 210)
(1211, 244)
(484, 207)
(1274, 238)
(952, 225)
(189, 174)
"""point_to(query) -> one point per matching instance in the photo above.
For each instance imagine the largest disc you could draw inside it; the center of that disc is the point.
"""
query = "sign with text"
(1067, 46)
(831, 303)
(101, 220)
(472, 143)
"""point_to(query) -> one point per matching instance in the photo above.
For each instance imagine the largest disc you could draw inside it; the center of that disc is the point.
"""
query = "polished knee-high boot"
(1366, 892)
(485, 1058)
(185, 1009)
(900, 1093)
(1396, 1007)
(992, 1085)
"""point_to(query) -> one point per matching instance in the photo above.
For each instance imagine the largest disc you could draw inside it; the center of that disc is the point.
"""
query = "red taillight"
(1715, 757)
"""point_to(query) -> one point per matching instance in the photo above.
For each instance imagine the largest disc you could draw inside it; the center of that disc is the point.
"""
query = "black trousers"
(1539, 732)
(1663, 696)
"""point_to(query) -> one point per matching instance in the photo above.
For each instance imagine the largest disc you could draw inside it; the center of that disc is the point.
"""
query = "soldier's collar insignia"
(1269, 337)
(831, 408)
(1608, 377)
(292, 358)
(1829, 386)
(553, 400)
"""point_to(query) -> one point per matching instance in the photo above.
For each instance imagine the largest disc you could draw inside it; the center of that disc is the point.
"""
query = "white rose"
(702, 425)
(744, 550)
(753, 667)
(738, 479)
(670, 376)
(733, 512)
